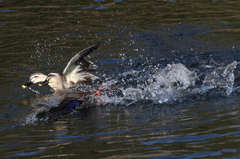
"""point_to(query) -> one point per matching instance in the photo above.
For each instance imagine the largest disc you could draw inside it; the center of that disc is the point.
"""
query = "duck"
(77, 100)
(35, 78)
(75, 72)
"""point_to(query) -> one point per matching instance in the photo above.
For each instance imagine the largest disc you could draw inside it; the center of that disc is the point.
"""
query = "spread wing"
(78, 67)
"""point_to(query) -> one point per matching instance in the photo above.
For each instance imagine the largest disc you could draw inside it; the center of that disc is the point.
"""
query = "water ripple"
(188, 138)
(88, 7)
(2, 11)
(193, 155)
(25, 153)
(98, 8)
(89, 135)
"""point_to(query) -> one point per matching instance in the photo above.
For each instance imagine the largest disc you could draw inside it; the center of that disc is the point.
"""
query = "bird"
(75, 72)
(35, 78)
(56, 82)
(69, 101)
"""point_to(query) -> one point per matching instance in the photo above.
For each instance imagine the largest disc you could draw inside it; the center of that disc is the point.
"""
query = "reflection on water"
(101, 8)
(6, 11)
(141, 42)
(87, 7)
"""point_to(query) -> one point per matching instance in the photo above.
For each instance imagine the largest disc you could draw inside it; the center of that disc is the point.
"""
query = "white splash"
(172, 83)
(35, 91)
(221, 78)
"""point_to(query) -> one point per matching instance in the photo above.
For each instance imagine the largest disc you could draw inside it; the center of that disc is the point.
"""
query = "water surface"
(140, 40)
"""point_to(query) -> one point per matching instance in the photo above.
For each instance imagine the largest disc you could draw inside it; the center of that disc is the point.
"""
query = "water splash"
(35, 91)
(172, 83)
(221, 78)
(30, 119)
(39, 105)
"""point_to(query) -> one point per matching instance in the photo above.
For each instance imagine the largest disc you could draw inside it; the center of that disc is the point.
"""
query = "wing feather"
(77, 67)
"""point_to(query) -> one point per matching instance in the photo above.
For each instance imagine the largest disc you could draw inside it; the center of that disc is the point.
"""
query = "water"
(175, 64)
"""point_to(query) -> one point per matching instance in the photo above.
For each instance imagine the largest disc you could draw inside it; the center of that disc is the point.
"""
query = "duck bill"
(27, 84)
(43, 83)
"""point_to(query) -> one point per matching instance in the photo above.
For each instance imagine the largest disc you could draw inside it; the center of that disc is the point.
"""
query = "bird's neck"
(60, 92)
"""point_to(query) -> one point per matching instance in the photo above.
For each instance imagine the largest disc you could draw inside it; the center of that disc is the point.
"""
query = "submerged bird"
(75, 73)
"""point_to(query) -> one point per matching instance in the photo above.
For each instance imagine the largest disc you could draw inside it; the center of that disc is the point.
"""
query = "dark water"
(138, 40)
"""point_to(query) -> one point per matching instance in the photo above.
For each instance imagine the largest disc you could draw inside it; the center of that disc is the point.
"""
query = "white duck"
(75, 73)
